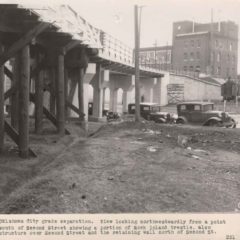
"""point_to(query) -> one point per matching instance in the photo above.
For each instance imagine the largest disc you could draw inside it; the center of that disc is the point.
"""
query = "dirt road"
(128, 167)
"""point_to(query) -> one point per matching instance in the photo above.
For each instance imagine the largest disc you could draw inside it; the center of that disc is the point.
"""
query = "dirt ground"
(125, 167)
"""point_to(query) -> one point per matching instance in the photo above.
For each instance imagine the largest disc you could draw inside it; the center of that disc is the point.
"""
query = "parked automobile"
(203, 113)
(112, 116)
(90, 109)
(152, 112)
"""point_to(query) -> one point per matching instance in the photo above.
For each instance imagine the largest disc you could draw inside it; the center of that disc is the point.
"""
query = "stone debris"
(183, 140)
(152, 148)
(200, 151)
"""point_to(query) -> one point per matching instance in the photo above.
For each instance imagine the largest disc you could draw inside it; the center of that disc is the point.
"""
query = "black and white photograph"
(114, 107)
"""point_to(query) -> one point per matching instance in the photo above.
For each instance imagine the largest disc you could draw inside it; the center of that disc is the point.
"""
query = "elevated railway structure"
(45, 57)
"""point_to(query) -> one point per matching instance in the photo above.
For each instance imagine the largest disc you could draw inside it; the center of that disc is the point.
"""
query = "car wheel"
(233, 124)
(180, 121)
(214, 123)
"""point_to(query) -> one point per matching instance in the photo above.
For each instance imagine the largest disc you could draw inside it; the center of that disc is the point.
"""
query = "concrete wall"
(195, 89)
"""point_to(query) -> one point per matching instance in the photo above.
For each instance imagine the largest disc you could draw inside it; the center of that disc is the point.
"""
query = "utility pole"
(137, 89)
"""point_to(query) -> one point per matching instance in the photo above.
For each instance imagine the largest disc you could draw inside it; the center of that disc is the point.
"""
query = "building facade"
(156, 57)
(210, 48)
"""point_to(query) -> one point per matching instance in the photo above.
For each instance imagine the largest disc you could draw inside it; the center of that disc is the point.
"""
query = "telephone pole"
(137, 88)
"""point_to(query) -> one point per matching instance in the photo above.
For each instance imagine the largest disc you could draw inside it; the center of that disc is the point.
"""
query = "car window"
(208, 107)
(190, 107)
(156, 109)
(197, 107)
(133, 107)
(146, 108)
(183, 107)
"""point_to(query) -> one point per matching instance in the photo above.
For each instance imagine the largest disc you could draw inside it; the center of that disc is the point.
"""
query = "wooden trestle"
(37, 59)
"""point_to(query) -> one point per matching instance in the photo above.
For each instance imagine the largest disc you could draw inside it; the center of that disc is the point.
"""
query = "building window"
(216, 43)
(233, 70)
(191, 68)
(233, 59)
(185, 56)
(192, 43)
(185, 44)
(228, 58)
(191, 56)
(185, 68)
(218, 70)
(198, 43)
(198, 55)
(219, 57)
(230, 47)
(197, 69)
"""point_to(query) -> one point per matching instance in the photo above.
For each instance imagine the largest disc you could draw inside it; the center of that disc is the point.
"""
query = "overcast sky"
(117, 16)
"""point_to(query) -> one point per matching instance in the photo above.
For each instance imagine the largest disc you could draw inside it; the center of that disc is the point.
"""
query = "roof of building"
(191, 34)
(195, 102)
(168, 47)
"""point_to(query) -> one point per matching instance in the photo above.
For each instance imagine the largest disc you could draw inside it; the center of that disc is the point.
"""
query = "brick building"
(206, 48)
(156, 57)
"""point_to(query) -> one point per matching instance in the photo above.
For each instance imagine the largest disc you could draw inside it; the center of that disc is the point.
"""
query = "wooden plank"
(60, 96)
(13, 134)
(8, 73)
(75, 109)
(9, 93)
(24, 103)
(22, 42)
(2, 77)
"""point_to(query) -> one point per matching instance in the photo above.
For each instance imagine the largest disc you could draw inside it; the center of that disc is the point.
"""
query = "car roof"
(147, 103)
(196, 102)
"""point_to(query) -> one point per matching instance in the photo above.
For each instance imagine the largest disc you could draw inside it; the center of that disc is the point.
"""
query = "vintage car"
(152, 112)
(203, 113)
(90, 110)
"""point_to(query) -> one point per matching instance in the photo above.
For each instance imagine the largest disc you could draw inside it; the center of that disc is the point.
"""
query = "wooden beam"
(80, 94)
(14, 100)
(52, 90)
(70, 46)
(1, 103)
(66, 90)
(13, 134)
(8, 73)
(38, 68)
(60, 95)
(9, 92)
(48, 114)
(39, 82)
(24, 103)
(22, 42)
(75, 109)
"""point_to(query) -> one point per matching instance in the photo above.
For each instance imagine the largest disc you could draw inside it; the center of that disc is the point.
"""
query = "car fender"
(212, 118)
(160, 120)
(182, 118)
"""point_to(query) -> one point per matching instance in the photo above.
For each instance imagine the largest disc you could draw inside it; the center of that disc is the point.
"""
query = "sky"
(116, 17)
